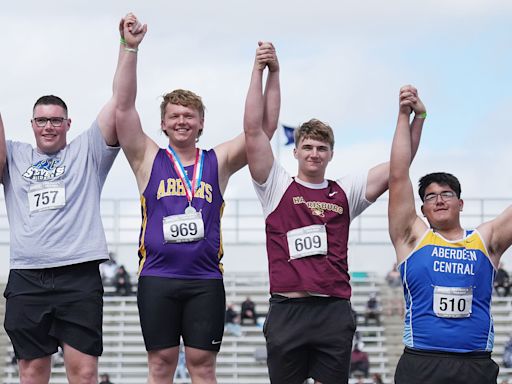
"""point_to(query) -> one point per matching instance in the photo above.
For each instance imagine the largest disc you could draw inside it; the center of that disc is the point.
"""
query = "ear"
(162, 127)
(423, 213)
(295, 152)
(461, 205)
(69, 125)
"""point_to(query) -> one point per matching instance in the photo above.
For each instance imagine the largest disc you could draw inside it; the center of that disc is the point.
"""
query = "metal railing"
(242, 222)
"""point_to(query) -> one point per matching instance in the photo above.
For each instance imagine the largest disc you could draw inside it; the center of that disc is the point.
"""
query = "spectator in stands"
(105, 379)
(447, 271)
(58, 358)
(248, 311)
(507, 353)
(395, 302)
(122, 282)
(502, 281)
(180, 287)
(393, 277)
(108, 270)
(181, 368)
(377, 379)
(359, 361)
(232, 321)
(372, 310)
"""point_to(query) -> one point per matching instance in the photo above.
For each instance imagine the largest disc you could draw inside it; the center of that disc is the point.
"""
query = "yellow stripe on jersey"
(221, 248)
(472, 241)
(142, 248)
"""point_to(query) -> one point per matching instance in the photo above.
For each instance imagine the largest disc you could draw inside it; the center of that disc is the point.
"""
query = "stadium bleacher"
(124, 356)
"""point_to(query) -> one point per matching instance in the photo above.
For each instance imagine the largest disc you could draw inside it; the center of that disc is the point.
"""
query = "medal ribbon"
(190, 186)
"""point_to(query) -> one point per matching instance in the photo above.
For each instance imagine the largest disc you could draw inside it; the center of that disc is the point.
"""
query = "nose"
(181, 120)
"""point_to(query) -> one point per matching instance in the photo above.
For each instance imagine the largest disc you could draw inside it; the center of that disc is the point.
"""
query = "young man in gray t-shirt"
(54, 292)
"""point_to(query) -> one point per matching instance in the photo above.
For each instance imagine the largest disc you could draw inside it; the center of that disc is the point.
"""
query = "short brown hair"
(184, 98)
(316, 130)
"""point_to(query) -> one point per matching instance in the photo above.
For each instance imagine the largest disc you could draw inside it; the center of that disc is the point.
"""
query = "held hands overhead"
(410, 101)
(266, 57)
(132, 31)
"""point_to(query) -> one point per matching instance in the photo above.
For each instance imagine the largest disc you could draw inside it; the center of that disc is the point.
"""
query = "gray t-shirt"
(53, 201)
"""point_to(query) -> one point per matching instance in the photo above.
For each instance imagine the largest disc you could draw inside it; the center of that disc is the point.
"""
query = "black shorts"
(425, 367)
(48, 307)
(170, 308)
(309, 337)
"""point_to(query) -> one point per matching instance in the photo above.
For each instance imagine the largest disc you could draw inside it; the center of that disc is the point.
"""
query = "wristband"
(421, 115)
(122, 41)
(128, 49)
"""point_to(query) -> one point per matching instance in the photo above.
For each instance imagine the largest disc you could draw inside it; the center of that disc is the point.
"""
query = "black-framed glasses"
(54, 121)
(445, 195)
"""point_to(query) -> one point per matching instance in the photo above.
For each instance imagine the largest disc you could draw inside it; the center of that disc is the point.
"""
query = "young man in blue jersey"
(447, 271)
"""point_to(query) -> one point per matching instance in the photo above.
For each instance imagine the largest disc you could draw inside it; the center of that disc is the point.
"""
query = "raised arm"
(137, 146)
(272, 94)
(404, 224)
(378, 176)
(3, 150)
(257, 140)
(233, 153)
(107, 116)
(497, 234)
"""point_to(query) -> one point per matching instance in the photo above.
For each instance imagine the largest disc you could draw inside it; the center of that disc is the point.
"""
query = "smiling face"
(313, 157)
(50, 139)
(183, 125)
(441, 206)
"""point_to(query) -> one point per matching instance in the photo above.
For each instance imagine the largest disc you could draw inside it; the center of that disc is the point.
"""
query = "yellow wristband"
(128, 49)
(421, 115)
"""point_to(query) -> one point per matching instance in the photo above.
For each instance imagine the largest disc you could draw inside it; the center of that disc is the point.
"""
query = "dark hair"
(441, 178)
(51, 100)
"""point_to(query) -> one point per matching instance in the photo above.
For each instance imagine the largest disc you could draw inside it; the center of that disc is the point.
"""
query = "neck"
(187, 155)
(312, 179)
(453, 233)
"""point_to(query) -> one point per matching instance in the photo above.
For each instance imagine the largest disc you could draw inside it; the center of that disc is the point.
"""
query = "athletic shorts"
(170, 308)
(48, 307)
(425, 367)
(309, 337)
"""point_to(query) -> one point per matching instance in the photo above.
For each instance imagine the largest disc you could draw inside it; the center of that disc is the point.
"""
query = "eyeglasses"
(54, 121)
(445, 195)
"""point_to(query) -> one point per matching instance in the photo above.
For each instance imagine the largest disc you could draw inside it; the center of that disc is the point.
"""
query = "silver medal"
(190, 209)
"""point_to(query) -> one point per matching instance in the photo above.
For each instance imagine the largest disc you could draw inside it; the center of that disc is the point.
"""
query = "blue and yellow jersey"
(448, 288)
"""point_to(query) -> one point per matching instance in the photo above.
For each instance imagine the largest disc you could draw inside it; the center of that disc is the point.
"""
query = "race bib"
(45, 196)
(307, 241)
(452, 302)
(183, 228)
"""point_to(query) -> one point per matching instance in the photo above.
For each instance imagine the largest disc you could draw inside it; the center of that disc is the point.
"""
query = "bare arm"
(3, 149)
(497, 234)
(261, 110)
(272, 94)
(107, 116)
(378, 176)
(404, 224)
(136, 145)
(258, 148)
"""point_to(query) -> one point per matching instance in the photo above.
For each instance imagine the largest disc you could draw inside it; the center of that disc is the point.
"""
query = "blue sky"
(341, 61)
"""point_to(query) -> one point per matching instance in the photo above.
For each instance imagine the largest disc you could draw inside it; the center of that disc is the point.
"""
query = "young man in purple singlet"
(180, 289)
